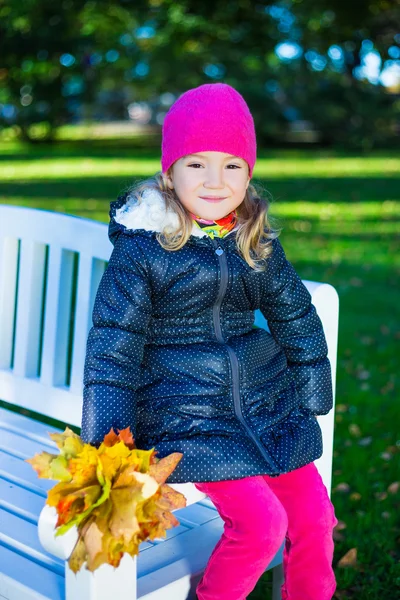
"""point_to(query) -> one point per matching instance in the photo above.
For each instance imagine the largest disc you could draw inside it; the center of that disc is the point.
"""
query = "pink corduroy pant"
(259, 513)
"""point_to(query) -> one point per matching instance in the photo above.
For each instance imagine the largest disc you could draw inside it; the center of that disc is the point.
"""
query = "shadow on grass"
(144, 148)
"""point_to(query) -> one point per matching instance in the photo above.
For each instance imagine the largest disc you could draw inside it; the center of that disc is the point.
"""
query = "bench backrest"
(50, 267)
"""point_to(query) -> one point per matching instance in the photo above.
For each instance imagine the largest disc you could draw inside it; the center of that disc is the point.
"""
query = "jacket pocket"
(293, 442)
(265, 405)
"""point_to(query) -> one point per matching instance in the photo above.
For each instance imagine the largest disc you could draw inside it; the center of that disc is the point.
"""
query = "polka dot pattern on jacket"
(174, 354)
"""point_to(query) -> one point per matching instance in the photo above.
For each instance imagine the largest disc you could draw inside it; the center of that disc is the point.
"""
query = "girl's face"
(215, 175)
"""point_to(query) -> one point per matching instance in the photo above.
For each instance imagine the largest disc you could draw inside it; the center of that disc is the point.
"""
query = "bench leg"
(103, 584)
(277, 581)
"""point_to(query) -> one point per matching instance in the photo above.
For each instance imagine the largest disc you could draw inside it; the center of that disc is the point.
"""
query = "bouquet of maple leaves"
(116, 495)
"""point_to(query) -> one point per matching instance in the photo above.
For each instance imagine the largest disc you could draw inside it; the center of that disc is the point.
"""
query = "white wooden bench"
(50, 268)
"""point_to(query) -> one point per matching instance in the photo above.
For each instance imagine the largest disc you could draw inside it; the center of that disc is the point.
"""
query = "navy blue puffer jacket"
(174, 353)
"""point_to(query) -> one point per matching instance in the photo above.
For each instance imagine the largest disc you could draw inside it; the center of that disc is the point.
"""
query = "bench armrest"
(60, 546)
(104, 583)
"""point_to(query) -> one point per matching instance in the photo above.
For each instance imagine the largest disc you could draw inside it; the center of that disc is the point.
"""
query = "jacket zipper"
(219, 250)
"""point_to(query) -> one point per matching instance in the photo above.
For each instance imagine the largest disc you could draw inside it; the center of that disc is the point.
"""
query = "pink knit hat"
(211, 117)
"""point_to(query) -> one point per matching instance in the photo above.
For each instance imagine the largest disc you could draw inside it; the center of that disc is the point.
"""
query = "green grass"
(340, 215)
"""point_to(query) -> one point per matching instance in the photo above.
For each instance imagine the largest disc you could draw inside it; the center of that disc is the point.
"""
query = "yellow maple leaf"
(78, 555)
(163, 468)
(170, 498)
(61, 438)
(83, 466)
(123, 522)
(42, 464)
(71, 505)
(93, 539)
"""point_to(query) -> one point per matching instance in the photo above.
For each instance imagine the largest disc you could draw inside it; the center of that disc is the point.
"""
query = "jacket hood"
(149, 215)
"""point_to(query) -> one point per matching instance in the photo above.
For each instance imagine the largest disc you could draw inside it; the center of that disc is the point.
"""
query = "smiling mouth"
(213, 197)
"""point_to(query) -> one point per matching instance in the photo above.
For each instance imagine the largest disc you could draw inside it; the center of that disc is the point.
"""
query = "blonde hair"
(255, 231)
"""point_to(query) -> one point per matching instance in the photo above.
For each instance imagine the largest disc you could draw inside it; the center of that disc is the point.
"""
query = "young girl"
(174, 353)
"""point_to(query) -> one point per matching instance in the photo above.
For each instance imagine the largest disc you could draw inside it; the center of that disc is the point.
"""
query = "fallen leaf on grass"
(355, 496)
(381, 495)
(349, 559)
(355, 430)
(342, 487)
(394, 487)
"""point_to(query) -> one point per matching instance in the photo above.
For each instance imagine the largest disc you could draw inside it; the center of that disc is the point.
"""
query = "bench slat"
(20, 501)
(23, 579)
(90, 272)
(189, 544)
(27, 427)
(8, 290)
(29, 307)
(55, 317)
(22, 447)
(195, 515)
(21, 473)
(22, 537)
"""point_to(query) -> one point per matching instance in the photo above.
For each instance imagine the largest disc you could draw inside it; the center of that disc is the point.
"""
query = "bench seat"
(29, 572)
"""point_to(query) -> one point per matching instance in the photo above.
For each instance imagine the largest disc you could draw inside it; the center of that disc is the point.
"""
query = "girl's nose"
(214, 178)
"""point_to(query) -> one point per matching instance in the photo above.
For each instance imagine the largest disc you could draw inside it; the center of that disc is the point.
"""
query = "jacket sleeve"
(115, 344)
(294, 323)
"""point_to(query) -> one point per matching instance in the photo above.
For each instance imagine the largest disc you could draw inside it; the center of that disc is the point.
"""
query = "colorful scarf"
(219, 227)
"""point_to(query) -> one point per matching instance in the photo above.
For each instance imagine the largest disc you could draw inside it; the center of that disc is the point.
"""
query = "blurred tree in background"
(299, 63)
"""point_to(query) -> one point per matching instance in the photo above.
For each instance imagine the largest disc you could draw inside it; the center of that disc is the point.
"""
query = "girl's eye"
(199, 165)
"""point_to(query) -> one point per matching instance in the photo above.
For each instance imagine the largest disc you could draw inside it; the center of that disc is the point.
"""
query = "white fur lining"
(150, 214)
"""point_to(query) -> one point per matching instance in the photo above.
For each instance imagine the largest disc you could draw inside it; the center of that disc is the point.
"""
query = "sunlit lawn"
(340, 215)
